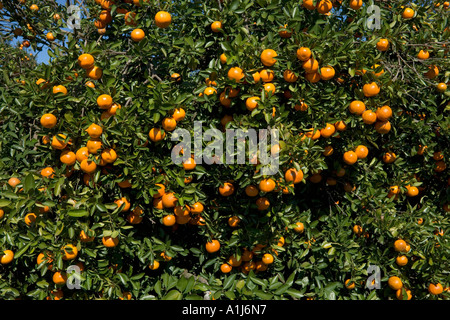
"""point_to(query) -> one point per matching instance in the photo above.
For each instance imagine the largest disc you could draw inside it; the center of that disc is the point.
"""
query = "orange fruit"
(395, 283)
(163, 19)
(94, 73)
(408, 13)
(328, 131)
(226, 102)
(399, 294)
(161, 190)
(223, 58)
(412, 191)
(433, 72)
(401, 261)
(289, 76)
(85, 238)
(324, 6)
(384, 113)
(94, 130)
(303, 53)
(225, 268)
(6, 257)
(58, 141)
(256, 77)
(104, 101)
(369, 117)
(130, 19)
(251, 191)
(358, 230)
(293, 175)
(235, 74)
(227, 189)
(361, 152)
(233, 221)
(47, 172)
(389, 157)
(110, 242)
(216, 26)
(86, 61)
(441, 87)
(327, 73)
(137, 35)
(251, 103)
(48, 121)
(328, 151)
(169, 200)
(90, 84)
(356, 4)
(59, 278)
(400, 245)
(435, 289)
(349, 284)
(311, 66)
(382, 127)
(68, 157)
(301, 106)
(212, 246)
(181, 211)
(299, 228)
(262, 203)
(82, 153)
(197, 208)
(109, 155)
(340, 125)
(268, 57)
(169, 220)
(313, 77)
(59, 89)
(357, 107)
(267, 185)
(423, 55)
(269, 87)
(179, 114)
(93, 145)
(88, 166)
(70, 252)
(266, 75)
(308, 4)
(371, 89)
(383, 45)
(156, 134)
(154, 265)
(169, 124)
(267, 258)
(350, 157)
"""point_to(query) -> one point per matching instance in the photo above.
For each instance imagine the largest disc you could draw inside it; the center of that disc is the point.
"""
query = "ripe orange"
(48, 121)
(169, 220)
(435, 289)
(163, 19)
(94, 130)
(104, 101)
(86, 61)
(328, 151)
(48, 260)
(110, 242)
(212, 246)
(161, 190)
(90, 84)
(327, 73)
(349, 284)
(408, 13)
(216, 26)
(399, 294)
(6, 257)
(58, 141)
(401, 261)
(223, 58)
(340, 125)
(225, 268)
(267, 185)
(433, 72)
(400, 245)
(109, 155)
(226, 102)
(179, 114)
(361, 152)
(267, 258)
(357, 229)
(303, 53)
(266, 75)
(82, 153)
(382, 127)
(47, 172)
(389, 157)
(299, 228)
(251, 191)
(256, 77)
(301, 106)
(268, 57)
(251, 103)
(383, 45)
(169, 124)
(356, 4)
(289, 76)
(154, 265)
(59, 89)
(70, 252)
(233, 221)
(285, 33)
(308, 4)
(93, 145)
(311, 66)
(235, 74)
(156, 134)
(384, 113)
(227, 189)
(181, 211)
(412, 191)
(328, 131)
(293, 175)
(371, 89)
(395, 283)
(59, 278)
(85, 238)
(441, 87)
(137, 35)
(94, 73)
(269, 87)
(423, 55)
(169, 200)
(369, 117)
(324, 6)
(68, 157)
(350, 157)
(357, 107)
(262, 203)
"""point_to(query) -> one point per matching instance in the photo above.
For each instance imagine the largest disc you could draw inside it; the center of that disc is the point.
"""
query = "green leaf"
(173, 295)
(78, 213)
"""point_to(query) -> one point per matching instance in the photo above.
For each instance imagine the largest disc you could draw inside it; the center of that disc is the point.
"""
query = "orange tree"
(88, 179)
